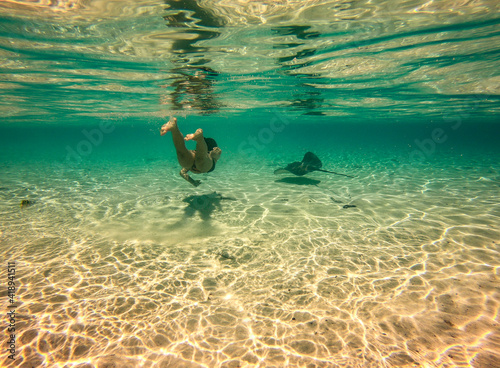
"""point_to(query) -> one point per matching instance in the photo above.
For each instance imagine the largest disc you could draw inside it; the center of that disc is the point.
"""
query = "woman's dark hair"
(211, 143)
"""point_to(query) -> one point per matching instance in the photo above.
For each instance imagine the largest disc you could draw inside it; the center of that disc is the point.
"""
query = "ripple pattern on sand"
(128, 266)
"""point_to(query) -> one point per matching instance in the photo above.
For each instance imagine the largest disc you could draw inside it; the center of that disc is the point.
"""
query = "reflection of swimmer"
(202, 160)
(193, 89)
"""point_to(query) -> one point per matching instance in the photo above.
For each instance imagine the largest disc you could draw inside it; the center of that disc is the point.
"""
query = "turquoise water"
(122, 263)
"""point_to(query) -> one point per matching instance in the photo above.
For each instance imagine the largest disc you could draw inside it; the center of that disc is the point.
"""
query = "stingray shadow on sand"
(298, 181)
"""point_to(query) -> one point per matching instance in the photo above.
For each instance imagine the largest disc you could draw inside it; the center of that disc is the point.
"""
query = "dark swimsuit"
(194, 169)
(211, 144)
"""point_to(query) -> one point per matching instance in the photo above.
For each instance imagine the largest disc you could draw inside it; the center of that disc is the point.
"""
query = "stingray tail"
(331, 172)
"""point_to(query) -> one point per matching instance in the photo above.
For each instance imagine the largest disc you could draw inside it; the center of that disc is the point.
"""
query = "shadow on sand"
(298, 181)
(204, 204)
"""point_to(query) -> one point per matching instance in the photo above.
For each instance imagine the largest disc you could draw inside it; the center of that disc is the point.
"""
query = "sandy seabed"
(129, 266)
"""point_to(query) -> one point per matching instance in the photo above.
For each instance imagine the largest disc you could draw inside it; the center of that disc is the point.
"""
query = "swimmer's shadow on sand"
(204, 204)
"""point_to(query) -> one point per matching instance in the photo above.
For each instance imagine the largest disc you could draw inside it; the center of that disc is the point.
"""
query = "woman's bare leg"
(184, 156)
(201, 158)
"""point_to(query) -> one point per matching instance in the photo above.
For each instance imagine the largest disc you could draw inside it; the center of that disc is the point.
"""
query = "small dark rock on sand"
(26, 203)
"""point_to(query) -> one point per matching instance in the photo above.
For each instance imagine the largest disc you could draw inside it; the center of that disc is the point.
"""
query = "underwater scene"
(343, 209)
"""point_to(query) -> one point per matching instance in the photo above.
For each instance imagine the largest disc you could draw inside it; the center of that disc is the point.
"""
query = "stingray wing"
(311, 161)
(296, 168)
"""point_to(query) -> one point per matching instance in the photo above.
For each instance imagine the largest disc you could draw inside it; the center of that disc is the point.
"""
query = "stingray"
(309, 163)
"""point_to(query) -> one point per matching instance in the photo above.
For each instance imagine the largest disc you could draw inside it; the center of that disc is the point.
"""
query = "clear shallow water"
(122, 263)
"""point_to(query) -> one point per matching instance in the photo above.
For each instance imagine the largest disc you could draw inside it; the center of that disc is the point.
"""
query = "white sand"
(132, 266)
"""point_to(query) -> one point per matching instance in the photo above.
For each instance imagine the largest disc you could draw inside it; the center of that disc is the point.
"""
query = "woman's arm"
(184, 174)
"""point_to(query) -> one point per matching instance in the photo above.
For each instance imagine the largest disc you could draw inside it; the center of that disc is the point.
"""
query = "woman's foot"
(172, 124)
(195, 136)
